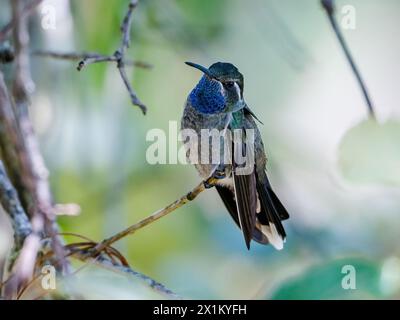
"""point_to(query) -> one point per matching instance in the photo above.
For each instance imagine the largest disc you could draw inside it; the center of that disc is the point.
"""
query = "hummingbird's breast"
(207, 97)
(204, 151)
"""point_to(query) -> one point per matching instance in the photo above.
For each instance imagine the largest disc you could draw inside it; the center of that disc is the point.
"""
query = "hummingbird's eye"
(229, 84)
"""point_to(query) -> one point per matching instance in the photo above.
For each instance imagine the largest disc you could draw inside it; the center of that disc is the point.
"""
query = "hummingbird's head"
(219, 90)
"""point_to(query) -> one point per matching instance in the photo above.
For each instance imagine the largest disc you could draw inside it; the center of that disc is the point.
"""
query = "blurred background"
(337, 172)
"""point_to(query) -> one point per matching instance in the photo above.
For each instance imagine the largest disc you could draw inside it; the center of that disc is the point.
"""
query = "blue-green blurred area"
(343, 211)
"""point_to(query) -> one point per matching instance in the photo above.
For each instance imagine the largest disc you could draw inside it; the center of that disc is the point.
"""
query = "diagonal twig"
(107, 263)
(106, 260)
(329, 7)
(91, 249)
(155, 216)
(126, 26)
(132, 94)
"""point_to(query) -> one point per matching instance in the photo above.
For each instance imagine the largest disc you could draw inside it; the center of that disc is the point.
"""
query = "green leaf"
(325, 282)
(370, 153)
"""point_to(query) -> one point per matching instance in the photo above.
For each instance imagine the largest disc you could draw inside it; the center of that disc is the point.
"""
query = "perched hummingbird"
(217, 103)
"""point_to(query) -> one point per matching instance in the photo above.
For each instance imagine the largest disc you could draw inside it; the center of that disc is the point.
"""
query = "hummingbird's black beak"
(201, 68)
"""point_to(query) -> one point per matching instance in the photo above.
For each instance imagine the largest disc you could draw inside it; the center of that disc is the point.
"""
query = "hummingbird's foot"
(218, 174)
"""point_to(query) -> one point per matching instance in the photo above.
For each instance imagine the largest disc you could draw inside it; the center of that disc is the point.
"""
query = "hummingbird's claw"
(208, 185)
(219, 174)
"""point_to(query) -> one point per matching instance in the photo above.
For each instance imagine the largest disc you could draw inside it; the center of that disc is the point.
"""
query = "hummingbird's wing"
(246, 202)
(245, 191)
(270, 212)
(247, 111)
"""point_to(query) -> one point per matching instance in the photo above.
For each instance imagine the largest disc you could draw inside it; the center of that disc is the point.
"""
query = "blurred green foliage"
(370, 153)
(324, 282)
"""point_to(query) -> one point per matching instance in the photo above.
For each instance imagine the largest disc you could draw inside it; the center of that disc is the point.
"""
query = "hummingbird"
(217, 102)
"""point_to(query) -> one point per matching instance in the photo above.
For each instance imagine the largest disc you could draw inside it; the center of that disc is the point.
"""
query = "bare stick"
(34, 171)
(76, 56)
(134, 98)
(119, 56)
(27, 10)
(23, 85)
(107, 263)
(126, 26)
(94, 59)
(10, 202)
(155, 216)
(330, 10)
(10, 142)
(14, 153)
(73, 56)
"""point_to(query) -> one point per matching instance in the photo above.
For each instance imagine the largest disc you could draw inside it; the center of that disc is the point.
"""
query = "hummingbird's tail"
(270, 213)
(228, 199)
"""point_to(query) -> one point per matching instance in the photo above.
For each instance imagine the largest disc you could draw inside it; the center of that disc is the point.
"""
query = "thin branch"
(126, 26)
(18, 164)
(110, 259)
(91, 58)
(10, 202)
(134, 98)
(26, 11)
(80, 56)
(121, 68)
(23, 84)
(330, 11)
(22, 266)
(89, 249)
(119, 56)
(155, 216)
(10, 142)
(107, 263)
(33, 170)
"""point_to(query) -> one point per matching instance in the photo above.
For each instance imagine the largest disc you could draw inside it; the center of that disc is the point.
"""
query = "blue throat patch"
(206, 97)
